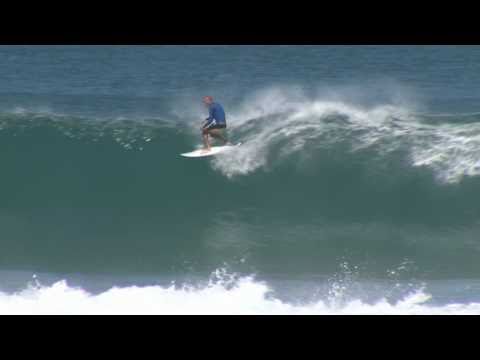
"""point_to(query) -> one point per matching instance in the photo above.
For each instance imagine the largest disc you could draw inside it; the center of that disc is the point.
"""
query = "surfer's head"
(207, 100)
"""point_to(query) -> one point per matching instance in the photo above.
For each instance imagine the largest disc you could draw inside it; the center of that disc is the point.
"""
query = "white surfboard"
(214, 150)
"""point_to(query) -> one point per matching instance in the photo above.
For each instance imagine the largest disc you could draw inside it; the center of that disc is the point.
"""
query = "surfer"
(215, 124)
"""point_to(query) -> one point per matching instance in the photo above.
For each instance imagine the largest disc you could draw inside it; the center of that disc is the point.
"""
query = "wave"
(246, 296)
(274, 128)
(280, 126)
(315, 181)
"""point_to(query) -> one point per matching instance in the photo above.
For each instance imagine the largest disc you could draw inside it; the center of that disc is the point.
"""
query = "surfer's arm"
(210, 114)
(209, 119)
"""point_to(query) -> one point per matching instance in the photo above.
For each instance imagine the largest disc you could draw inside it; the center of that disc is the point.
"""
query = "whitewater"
(245, 297)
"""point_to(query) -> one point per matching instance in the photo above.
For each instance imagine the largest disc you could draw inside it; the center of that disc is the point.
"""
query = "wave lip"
(274, 128)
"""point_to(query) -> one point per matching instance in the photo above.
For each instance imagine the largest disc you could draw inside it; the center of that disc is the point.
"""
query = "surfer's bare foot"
(205, 150)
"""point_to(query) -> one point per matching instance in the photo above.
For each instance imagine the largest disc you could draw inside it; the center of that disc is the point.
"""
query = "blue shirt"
(216, 114)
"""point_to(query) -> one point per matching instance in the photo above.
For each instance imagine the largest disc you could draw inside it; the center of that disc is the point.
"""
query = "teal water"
(353, 157)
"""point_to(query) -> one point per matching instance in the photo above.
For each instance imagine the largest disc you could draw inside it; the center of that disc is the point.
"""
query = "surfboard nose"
(214, 150)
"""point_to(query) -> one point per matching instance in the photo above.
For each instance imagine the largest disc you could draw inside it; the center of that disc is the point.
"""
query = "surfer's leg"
(206, 143)
(217, 133)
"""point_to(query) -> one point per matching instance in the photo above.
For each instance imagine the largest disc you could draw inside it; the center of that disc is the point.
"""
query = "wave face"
(316, 182)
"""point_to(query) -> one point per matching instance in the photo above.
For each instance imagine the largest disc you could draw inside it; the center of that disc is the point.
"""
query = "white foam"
(278, 116)
(246, 296)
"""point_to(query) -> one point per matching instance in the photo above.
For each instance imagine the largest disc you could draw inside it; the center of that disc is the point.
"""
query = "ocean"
(353, 192)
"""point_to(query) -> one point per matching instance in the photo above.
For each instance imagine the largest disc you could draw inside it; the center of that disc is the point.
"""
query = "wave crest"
(274, 127)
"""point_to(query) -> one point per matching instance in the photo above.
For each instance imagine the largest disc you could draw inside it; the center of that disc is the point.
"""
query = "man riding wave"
(215, 124)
